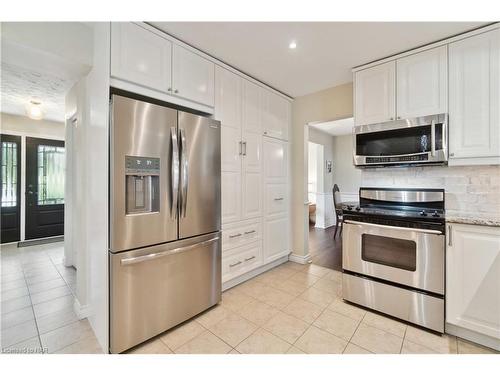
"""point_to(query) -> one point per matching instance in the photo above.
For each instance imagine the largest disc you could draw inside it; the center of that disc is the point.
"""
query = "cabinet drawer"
(240, 260)
(276, 199)
(240, 235)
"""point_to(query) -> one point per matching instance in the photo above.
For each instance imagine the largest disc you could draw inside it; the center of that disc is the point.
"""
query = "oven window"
(392, 252)
(399, 141)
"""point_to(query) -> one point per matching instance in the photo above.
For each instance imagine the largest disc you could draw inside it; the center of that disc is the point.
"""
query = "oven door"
(406, 256)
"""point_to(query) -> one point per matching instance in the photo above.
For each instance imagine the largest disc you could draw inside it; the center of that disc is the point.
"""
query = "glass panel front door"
(50, 175)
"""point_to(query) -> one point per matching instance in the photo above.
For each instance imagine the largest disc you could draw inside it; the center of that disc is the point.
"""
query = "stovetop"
(418, 213)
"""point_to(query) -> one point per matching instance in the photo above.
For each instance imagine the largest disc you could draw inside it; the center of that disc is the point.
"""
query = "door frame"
(19, 141)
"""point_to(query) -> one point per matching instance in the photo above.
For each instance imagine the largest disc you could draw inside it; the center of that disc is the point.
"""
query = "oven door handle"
(403, 229)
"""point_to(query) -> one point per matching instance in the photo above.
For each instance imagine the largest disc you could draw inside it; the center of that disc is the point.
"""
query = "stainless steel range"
(394, 254)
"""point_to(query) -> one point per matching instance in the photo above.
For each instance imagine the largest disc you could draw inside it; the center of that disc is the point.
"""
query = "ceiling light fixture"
(34, 110)
(292, 45)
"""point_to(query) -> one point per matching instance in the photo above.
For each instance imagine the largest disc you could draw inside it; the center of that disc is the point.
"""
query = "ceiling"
(337, 127)
(20, 85)
(325, 53)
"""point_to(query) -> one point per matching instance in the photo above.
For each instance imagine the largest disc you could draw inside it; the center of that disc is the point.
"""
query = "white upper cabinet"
(422, 83)
(227, 97)
(193, 76)
(474, 99)
(375, 94)
(141, 57)
(276, 115)
(252, 107)
(473, 278)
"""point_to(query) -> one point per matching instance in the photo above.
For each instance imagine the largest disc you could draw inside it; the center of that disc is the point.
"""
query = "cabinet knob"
(176, 91)
(169, 89)
(399, 117)
(391, 118)
(452, 154)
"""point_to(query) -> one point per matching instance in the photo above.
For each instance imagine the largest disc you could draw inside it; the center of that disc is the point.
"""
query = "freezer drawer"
(156, 288)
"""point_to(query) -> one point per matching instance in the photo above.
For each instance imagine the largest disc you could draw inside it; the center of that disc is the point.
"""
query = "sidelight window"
(9, 176)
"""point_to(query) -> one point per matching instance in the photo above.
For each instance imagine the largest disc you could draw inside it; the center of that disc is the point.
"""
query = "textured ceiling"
(18, 86)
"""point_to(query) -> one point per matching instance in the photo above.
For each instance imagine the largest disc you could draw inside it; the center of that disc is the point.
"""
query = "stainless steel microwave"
(415, 141)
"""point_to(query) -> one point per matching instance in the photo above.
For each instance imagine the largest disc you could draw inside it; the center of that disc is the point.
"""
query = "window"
(50, 175)
(392, 252)
(9, 174)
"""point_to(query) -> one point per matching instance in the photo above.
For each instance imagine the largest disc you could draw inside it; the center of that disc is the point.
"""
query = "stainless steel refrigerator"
(165, 219)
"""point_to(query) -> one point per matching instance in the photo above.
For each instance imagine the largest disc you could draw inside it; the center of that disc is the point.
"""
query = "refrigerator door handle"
(144, 258)
(174, 171)
(184, 173)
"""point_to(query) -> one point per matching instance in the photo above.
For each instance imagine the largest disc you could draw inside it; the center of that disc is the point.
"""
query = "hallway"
(37, 295)
(324, 250)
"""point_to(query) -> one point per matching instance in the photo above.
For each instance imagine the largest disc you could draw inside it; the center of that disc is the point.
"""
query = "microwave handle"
(433, 138)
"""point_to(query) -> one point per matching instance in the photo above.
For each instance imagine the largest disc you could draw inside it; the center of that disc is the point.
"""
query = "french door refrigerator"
(165, 219)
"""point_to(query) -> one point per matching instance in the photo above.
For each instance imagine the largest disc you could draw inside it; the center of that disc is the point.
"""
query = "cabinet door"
(227, 97)
(275, 160)
(140, 56)
(473, 278)
(231, 149)
(231, 196)
(252, 175)
(252, 107)
(276, 115)
(275, 238)
(422, 83)
(474, 96)
(375, 94)
(193, 76)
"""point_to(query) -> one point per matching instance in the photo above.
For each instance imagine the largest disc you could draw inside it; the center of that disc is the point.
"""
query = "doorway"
(44, 188)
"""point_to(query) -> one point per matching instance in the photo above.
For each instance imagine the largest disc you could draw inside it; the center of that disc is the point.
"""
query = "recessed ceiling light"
(34, 110)
(292, 45)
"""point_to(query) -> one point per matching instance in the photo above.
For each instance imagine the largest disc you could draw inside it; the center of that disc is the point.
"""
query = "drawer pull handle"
(235, 235)
(278, 199)
(247, 259)
(250, 232)
(235, 264)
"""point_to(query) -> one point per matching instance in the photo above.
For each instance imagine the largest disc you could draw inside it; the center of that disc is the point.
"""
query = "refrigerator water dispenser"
(142, 185)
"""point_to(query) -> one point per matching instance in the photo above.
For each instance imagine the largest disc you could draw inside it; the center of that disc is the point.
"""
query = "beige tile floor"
(298, 309)
(37, 303)
(291, 309)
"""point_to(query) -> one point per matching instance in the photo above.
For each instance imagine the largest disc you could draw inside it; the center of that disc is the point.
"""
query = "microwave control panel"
(142, 165)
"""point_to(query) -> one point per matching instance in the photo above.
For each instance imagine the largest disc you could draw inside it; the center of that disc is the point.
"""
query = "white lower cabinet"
(473, 278)
(275, 238)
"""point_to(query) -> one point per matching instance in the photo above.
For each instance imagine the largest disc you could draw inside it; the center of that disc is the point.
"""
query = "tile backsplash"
(471, 189)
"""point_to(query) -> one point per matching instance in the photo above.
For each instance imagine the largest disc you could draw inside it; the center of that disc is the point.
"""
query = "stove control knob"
(358, 208)
(423, 213)
(349, 207)
(435, 214)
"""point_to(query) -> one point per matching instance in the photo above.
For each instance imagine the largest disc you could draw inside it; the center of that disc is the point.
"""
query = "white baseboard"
(301, 259)
(247, 276)
(478, 338)
(81, 311)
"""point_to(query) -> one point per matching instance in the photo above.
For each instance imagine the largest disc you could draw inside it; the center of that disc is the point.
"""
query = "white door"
(276, 115)
(473, 278)
(192, 76)
(140, 56)
(227, 97)
(252, 175)
(231, 196)
(474, 96)
(422, 83)
(275, 238)
(252, 107)
(374, 94)
(275, 160)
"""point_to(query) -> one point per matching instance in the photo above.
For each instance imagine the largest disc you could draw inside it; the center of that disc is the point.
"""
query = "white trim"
(141, 90)
(210, 58)
(81, 312)
(428, 46)
(476, 337)
(242, 278)
(301, 259)
(491, 160)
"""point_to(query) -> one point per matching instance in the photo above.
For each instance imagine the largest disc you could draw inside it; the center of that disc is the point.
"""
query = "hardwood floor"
(324, 250)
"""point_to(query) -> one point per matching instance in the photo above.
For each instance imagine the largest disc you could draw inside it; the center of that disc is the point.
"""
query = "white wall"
(345, 175)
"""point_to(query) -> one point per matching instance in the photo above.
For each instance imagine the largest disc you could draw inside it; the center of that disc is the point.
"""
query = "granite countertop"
(475, 218)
